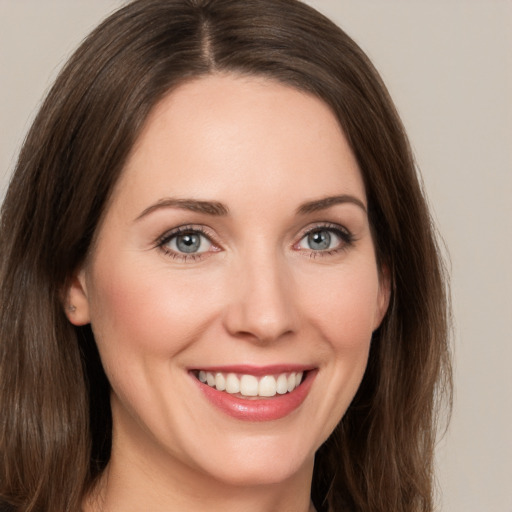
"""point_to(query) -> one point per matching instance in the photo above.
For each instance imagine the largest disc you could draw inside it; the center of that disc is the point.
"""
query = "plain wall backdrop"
(448, 65)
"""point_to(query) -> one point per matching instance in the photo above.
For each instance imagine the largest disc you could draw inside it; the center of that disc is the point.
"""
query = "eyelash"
(182, 230)
(346, 237)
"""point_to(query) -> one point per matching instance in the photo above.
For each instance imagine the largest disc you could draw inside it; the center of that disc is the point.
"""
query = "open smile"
(255, 394)
(251, 386)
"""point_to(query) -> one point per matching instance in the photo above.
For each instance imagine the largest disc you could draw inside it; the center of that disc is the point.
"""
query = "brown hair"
(55, 425)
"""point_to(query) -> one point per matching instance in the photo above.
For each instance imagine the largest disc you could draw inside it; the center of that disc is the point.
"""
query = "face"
(236, 253)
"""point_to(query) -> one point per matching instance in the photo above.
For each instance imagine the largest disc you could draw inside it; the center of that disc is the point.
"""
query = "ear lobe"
(76, 303)
(383, 296)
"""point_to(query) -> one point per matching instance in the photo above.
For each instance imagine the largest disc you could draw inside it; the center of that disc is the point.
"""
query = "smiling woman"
(220, 285)
(219, 308)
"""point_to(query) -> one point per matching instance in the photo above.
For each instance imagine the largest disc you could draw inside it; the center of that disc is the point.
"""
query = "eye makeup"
(325, 239)
(187, 243)
(195, 242)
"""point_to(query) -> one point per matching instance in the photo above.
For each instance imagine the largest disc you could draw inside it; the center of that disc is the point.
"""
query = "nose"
(261, 301)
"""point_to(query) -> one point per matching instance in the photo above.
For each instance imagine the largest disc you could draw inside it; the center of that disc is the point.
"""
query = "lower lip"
(260, 409)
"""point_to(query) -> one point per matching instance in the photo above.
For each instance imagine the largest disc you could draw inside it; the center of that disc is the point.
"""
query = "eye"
(186, 242)
(189, 243)
(325, 239)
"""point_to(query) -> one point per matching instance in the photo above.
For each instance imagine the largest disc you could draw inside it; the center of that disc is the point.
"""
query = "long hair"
(55, 424)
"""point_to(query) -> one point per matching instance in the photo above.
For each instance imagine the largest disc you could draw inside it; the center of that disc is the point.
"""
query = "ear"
(383, 296)
(76, 302)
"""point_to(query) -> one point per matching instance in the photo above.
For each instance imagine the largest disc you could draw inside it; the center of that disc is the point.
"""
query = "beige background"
(448, 65)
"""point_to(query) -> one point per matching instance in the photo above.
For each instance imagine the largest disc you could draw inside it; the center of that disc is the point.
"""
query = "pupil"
(319, 240)
(188, 242)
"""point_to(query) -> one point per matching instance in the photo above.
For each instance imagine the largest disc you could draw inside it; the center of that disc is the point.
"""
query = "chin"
(259, 461)
(259, 473)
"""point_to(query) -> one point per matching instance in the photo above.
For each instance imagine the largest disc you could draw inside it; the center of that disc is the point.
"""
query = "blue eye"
(325, 239)
(319, 240)
(187, 242)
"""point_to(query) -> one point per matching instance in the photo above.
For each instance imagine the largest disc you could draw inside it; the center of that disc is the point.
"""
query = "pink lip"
(261, 409)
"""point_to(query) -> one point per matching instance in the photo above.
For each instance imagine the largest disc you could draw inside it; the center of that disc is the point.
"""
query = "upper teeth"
(249, 385)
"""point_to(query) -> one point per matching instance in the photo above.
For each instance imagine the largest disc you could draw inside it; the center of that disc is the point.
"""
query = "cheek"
(345, 308)
(342, 313)
(149, 312)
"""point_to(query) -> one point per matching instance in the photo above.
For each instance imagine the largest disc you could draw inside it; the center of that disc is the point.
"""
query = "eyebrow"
(218, 209)
(327, 202)
(194, 205)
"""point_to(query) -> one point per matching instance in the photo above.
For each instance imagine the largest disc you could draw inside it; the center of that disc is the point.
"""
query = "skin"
(256, 293)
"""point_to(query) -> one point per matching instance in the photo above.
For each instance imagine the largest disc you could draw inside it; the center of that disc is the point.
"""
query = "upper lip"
(257, 371)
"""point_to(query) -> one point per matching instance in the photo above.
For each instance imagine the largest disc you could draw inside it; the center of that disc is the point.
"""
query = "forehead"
(239, 136)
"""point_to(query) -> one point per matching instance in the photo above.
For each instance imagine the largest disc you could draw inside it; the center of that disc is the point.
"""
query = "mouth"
(255, 394)
(250, 386)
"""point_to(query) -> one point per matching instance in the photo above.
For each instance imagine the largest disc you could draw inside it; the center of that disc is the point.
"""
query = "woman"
(220, 285)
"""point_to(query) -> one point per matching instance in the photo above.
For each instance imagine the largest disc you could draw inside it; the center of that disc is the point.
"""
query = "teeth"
(210, 379)
(232, 383)
(291, 382)
(251, 386)
(220, 382)
(267, 386)
(282, 384)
